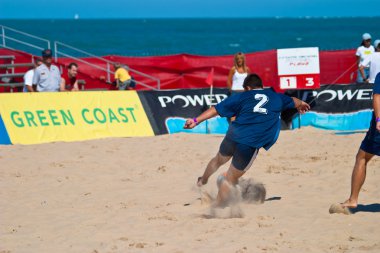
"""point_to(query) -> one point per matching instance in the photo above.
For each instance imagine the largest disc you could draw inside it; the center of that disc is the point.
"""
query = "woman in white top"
(237, 74)
(363, 52)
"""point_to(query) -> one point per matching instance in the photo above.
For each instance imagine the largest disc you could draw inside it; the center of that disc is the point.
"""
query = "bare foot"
(344, 207)
(350, 203)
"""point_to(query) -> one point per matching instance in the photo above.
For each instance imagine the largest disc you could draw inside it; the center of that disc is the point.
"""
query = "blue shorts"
(371, 142)
(370, 146)
(242, 155)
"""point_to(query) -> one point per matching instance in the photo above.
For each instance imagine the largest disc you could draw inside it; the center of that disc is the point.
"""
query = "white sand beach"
(139, 195)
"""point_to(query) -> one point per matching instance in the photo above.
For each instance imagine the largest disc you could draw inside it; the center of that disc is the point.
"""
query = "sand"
(139, 195)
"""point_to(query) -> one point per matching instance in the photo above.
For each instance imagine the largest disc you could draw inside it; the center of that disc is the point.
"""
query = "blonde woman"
(237, 74)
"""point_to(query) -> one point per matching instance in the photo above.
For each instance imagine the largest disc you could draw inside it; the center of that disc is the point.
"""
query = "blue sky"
(185, 8)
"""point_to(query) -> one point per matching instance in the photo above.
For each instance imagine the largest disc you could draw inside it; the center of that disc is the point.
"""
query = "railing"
(58, 50)
(12, 35)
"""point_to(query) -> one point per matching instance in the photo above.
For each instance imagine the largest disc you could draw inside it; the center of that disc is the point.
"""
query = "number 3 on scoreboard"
(263, 99)
(309, 81)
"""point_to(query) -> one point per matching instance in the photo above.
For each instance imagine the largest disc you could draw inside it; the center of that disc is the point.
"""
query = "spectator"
(69, 80)
(363, 52)
(122, 78)
(47, 76)
(373, 61)
(28, 77)
(237, 74)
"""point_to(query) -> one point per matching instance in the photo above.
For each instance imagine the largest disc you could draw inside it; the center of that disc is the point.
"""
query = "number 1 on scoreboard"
(288, 82)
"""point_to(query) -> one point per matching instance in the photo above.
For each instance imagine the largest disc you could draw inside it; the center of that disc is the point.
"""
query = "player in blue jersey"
(257, 125)
(368, 149)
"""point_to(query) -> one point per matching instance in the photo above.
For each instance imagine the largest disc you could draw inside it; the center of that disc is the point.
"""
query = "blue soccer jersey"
(257, 112)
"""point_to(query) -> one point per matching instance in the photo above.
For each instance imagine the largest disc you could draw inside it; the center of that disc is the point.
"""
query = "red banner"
(191, 71)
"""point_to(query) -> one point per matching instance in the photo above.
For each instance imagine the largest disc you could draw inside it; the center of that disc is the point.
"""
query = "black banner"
(186, 103)
(166, 108)
(337, 98)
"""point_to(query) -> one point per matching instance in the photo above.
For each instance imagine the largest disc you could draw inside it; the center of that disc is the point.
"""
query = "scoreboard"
(298, 68)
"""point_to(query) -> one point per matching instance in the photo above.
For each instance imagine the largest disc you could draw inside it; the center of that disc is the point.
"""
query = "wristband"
(195, 121)
(378, 119)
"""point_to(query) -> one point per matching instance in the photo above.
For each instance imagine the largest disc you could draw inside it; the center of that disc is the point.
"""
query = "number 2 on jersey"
(263, 99)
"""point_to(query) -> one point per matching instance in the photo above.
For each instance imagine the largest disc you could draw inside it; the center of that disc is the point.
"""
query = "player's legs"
(226, 150)
(358, 177)
(228, 185)
(213, 166)
(243, 158)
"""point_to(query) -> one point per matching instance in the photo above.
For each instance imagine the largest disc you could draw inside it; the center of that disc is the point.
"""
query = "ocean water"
(147, 37)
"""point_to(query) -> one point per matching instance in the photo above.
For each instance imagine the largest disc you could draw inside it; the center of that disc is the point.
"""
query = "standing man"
(369, 148)
(257, 125)
(69, 80)
(364, 50)
(373, 61)
(28, 77)
(47, 76)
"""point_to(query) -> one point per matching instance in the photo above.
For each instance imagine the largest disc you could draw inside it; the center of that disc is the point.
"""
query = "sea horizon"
(170, 18)
(199, 36)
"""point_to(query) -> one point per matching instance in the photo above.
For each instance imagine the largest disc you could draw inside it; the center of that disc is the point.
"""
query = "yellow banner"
(32, 118)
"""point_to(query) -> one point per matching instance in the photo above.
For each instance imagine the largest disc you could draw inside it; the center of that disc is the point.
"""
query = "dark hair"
(37, 60)
(71, 65)
(363, 42)
(253, 81)
(117, 65)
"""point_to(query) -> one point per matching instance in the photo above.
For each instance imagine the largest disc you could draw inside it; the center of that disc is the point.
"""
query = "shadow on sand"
(371, 208)
(273, 198)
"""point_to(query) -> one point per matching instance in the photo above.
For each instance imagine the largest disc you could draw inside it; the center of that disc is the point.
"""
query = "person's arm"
(62, 86)
(358, 55)
(361, 70)
(300, 105)
(36, 79)
(117, 78)
(376, 108)
(208, 114)
(75, 86)
(30, 88)
(362, 65)
(358, 60)
(229, 78)
(248, 70)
